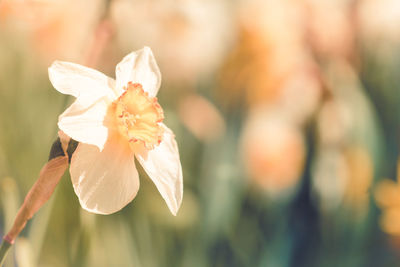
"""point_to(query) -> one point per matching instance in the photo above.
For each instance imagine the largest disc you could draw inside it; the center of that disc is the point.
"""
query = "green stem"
(4, 247)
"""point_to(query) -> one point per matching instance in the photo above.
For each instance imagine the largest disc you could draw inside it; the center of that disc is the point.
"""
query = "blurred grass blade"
(4, 247)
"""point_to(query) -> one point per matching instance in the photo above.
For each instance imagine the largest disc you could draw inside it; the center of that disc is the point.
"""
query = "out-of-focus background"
(286, 114)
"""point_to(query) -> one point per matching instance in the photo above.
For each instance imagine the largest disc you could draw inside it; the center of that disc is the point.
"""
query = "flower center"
(138, 116)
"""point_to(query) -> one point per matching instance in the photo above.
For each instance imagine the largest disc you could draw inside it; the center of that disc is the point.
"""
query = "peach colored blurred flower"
(201, 117)
(268, 48)
(271, 63)
(54, 29)
(330, 27)
(273, 150)
(115, 121)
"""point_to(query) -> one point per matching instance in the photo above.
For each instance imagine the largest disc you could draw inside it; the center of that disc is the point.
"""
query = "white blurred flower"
(115, 121)
(190, 36)
(330, 174)
(380, 21)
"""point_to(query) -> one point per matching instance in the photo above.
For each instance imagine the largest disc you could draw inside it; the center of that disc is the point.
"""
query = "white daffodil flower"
(114, 121)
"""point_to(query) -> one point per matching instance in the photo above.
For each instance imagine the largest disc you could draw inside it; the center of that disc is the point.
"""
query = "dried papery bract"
(40, 192)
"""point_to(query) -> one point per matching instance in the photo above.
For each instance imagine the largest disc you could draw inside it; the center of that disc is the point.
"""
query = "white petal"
(163, 166)
(139, 67)
(86, 84)
(86, 124)
(105, 181)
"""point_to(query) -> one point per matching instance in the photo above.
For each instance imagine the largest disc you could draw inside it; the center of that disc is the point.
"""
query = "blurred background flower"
(273, 151)
(54, 29)
(189, 37)
(387, 195)
(285, 113)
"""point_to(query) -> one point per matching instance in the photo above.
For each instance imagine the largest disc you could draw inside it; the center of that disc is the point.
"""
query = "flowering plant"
(114, 122)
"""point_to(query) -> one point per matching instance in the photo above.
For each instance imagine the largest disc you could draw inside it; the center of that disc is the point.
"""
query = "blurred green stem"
(4, 247)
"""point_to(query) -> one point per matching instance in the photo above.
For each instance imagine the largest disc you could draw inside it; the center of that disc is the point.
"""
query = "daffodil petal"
(139, 67)
(85, 125)
(105, 181)
(86, 84)
(163, 166)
